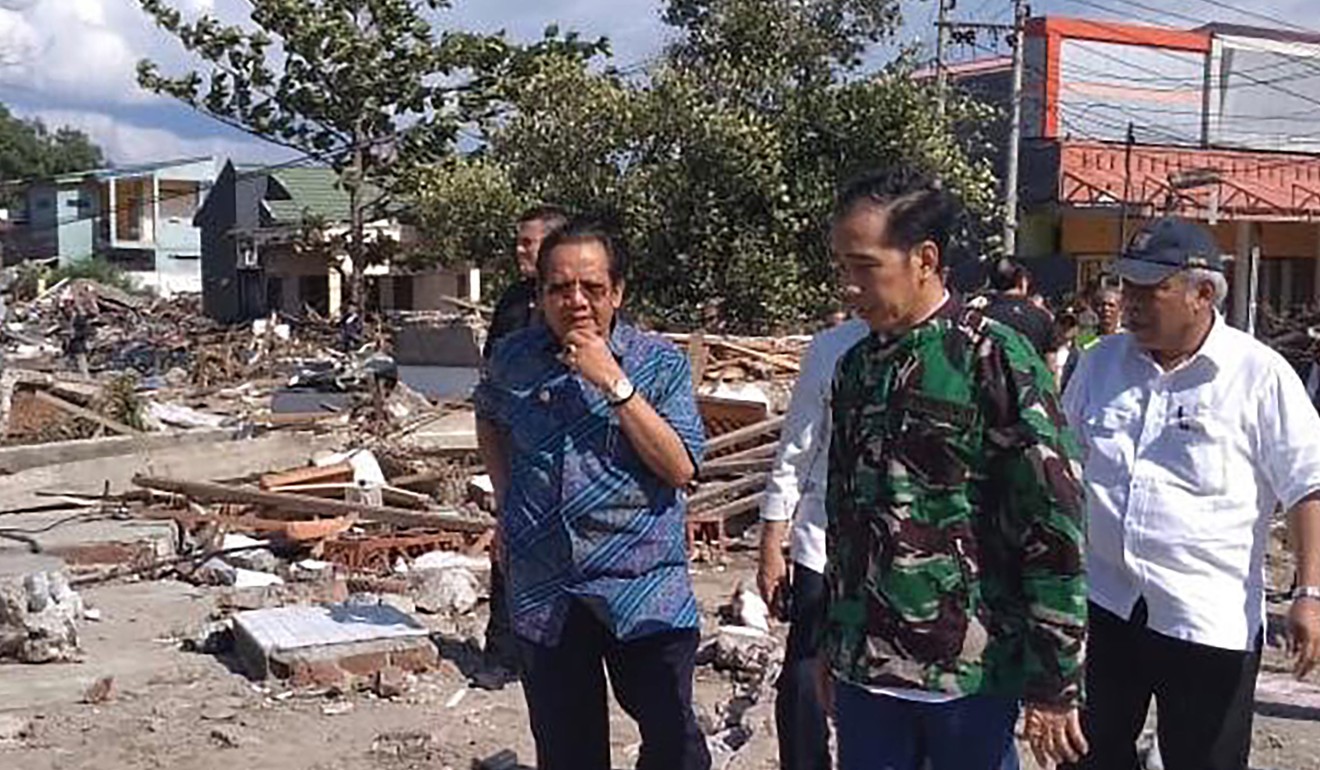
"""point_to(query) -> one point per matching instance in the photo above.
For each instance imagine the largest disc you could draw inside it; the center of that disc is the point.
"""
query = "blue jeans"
(879, 732)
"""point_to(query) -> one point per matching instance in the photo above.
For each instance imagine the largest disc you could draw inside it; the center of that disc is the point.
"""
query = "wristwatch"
(1306, 592)
(620, 392)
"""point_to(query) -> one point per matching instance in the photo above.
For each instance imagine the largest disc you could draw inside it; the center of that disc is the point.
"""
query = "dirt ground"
(180, 710)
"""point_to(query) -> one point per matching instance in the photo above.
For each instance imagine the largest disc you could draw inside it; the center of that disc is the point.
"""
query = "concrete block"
(306, 642)
(435, 345)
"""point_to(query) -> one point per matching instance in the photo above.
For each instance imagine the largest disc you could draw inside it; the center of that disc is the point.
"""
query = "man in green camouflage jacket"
(955, 580)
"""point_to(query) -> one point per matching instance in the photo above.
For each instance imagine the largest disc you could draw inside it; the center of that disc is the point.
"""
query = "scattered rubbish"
(441, 560)
(38, 618)
(456, 698)
(14, 728)
(750, 609)
(337, 708)
(403, 746)
(248, 578)
(505, 759)
(225, 738)
(99, 691)
(452, 591)
(390, 682)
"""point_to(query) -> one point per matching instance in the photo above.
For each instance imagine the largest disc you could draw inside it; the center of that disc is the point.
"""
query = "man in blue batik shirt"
(589, 430)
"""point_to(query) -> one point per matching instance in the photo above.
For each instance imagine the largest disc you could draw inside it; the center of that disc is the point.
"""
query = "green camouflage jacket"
(955, 529)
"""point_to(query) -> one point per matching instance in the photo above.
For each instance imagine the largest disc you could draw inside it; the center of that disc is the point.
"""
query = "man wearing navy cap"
(1193, 433)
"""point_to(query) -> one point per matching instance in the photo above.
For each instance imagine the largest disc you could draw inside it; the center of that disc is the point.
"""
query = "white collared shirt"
(796, 489)
(1183, 471)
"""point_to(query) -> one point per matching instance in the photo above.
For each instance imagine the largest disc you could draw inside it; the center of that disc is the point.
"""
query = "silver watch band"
(1306, 592)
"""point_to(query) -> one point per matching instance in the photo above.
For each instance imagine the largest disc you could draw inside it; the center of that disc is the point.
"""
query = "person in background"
(1064, 349)
(1107, 305)
(1107, 310)
(516, 307)
(1194, 434)
(590, 431)
(955, 586)
(515, 310)
(1011, 305)
(795, 499)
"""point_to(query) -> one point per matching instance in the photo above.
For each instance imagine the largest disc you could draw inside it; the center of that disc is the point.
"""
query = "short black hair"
(553, 216)
(918, 208)
(585, 229)
(1006, 274)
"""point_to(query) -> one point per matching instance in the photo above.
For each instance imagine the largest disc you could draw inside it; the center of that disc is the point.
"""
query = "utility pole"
(1015, 130)
(941, 43)
(1127, 187)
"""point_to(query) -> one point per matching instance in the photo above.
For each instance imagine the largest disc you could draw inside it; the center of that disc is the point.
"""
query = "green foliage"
(468, 207)
(28, 149)
(93, 269)
(366, 86)
(723, 163)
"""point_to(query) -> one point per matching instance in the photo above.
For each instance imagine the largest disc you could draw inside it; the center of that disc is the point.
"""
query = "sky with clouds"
(73, 62)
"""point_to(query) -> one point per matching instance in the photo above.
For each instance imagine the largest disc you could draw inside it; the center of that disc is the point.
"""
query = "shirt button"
(544, 396)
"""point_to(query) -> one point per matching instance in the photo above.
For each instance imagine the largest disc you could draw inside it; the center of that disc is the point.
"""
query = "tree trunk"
(356, 248)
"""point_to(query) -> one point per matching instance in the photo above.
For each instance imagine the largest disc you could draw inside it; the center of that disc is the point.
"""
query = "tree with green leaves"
(368, 87)
(722, 162)
(30, 150)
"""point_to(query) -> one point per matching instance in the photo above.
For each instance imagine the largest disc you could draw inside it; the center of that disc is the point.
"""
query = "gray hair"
(1198, 275)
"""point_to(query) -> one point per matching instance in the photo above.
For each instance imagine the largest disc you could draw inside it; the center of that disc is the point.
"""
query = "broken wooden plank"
(713, 492)
(734, 438)
(84, 413)
(467, 304)
(724, 467)
(783, 363)
(312, 474)
(697, 356)
(300, 531)
(339, 491)
(729, 510)
(208, 492)
(753, 453)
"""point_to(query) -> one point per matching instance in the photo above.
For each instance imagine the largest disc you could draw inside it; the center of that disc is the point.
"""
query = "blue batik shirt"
(583, 517)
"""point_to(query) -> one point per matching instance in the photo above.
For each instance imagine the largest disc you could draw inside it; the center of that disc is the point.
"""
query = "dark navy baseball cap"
(1165, 246)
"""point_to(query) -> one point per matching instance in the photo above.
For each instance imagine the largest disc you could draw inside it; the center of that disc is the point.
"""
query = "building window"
(178, 200)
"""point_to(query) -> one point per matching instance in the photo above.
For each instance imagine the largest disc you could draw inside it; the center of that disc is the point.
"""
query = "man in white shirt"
(1193, 433)
(795, 496)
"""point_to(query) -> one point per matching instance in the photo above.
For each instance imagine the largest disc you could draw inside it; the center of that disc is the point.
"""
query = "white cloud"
(83, 52)
(74, 61)
(127, 143)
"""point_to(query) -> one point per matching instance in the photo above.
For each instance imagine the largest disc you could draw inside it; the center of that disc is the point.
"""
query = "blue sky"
(73, 61)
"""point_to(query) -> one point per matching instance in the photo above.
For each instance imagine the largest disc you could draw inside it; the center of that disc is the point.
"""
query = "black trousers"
(1204, 696)
(652, 680)
(501, 644)
(799, 717)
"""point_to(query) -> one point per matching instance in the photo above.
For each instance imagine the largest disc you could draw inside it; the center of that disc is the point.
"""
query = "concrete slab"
(436, 345)
(328, 644)
(452, 432)
(448, 383)
(21, 458)
(206, 461)
(282, 629)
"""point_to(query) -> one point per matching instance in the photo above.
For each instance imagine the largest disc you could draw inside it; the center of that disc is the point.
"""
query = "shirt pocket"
(1193, 451)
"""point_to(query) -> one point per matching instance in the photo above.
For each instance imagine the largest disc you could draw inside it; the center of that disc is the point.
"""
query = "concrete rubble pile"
(742, 649)
(39, 617)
